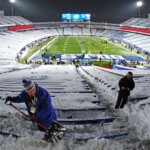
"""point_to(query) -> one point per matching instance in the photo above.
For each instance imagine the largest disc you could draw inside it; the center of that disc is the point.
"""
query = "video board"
(76, 17)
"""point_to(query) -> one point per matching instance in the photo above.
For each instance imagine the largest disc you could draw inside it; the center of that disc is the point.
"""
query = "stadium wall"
(137, 30)
(20, 27)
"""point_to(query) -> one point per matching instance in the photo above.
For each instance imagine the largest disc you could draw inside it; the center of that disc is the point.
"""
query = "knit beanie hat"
(27, 83)
(130, 73)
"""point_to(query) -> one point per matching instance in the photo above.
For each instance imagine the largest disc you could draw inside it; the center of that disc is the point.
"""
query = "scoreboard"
(76, 17)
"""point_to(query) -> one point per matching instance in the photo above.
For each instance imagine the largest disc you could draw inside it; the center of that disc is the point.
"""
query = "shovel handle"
(28, 117)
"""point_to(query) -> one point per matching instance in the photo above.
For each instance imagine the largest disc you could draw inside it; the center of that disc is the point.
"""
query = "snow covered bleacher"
(13, 20)
(93, 31)
(77, 31)
(60, 31)
(99, 32)
(137, 22)
(67, 31)
(12, 42)
(138, 40)
(86, 31)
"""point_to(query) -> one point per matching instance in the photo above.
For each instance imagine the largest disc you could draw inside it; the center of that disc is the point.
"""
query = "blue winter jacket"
(45, 112)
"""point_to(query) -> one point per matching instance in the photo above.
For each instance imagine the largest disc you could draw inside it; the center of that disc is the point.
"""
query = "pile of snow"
(64, 84)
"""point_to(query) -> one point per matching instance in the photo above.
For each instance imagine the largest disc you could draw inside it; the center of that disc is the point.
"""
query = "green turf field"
(77, 45)
(80, 45)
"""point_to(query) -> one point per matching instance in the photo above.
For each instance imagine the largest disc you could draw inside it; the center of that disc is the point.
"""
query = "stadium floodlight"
(12, 1)
(12, 6)
(139, 4)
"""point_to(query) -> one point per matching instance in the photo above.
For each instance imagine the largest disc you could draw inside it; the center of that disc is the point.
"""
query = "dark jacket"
(127, 83)
(45, 112)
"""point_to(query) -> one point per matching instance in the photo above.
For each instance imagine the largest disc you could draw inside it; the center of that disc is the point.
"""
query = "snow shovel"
(53, 134)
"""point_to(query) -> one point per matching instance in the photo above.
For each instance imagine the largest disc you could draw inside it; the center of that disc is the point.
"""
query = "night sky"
(112, 11)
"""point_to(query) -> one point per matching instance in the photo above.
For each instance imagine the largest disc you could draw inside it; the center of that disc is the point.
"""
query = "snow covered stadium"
(85, 94)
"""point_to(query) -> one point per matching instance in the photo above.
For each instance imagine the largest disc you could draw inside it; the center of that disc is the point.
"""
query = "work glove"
(33, 118)
(128, 89)
(8, 100)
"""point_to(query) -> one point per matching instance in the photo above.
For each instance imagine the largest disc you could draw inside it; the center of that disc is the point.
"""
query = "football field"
(82, 44)
(78, 45)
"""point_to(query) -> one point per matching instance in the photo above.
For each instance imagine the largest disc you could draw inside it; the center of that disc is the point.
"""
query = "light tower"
(139, 4)
(12, 6)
